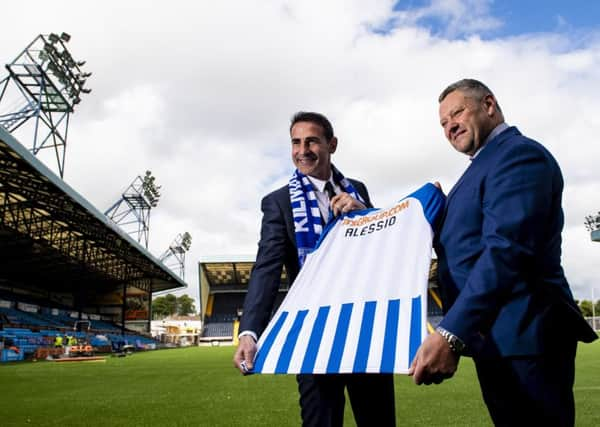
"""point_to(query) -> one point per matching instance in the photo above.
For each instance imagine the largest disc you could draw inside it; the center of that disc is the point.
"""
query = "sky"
(201, 93)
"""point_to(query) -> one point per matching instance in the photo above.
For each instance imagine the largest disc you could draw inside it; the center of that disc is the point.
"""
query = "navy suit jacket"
(276, 248)
(499, 250)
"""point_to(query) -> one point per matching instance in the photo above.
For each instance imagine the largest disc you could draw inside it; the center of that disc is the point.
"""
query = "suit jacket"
(499, 249)
(276, 248)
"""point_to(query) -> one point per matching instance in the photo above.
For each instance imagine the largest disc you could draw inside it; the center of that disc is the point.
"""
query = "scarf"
(305, 210)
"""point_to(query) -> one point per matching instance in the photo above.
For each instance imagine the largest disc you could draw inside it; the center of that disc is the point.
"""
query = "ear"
(489, 103)
(333, 145)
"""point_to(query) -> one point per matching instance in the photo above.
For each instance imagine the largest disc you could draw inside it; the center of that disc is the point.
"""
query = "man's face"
(466, 121)
(311, 152)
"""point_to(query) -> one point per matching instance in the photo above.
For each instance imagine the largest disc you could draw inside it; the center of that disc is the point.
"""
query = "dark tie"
(329, 190)
(330, 194)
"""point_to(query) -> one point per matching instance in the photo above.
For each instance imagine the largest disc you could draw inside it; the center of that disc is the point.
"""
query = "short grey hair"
(473, 88)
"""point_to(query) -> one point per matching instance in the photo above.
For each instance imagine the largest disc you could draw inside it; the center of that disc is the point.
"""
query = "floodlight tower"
(174, 256)
(47, 83)
(132, 210)
(592, 223)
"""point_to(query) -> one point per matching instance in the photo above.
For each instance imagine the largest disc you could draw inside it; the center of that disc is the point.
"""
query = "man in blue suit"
(283, 242)
(506, 299)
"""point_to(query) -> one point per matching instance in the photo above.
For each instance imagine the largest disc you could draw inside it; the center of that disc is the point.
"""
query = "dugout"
(224, 284)
(57, 250)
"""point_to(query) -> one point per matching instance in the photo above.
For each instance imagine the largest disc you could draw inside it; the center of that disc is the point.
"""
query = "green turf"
(199, 387)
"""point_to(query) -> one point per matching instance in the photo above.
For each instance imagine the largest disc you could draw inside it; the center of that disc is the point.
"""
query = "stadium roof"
(53, 238)
(230, 272)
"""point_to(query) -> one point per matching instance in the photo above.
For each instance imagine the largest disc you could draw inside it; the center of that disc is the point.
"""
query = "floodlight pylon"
(592, 224)
(44, 84)
(174, 256)
(132, 211)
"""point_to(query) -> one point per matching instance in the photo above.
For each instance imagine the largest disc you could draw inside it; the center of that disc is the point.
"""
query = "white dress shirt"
(322, 197)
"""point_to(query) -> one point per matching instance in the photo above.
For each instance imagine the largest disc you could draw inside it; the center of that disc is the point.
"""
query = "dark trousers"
(529, 391)
(371, 396)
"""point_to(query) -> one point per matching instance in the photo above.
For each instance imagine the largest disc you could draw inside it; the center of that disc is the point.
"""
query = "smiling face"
(311, 152)
(468, 121)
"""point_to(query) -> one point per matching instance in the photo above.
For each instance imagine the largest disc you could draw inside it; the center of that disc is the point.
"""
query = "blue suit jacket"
(276, 248)
(499, 249)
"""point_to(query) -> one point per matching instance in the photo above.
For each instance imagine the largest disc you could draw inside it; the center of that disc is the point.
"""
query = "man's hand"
(243, 358)
(434, 361)
(344, 203)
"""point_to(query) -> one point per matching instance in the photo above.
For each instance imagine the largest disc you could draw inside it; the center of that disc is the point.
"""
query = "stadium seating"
(29, 332)
(22, 317)
(225, 307)
(218, 330)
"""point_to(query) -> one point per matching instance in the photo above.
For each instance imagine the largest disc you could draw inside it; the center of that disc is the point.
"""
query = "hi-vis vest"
(359, 303)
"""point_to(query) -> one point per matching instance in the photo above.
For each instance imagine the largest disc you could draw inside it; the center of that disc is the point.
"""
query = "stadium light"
(150, 189)
(174, 256)
(592, 222)
(45, 83)
(53, 38)
(186, 241)
(132, 210)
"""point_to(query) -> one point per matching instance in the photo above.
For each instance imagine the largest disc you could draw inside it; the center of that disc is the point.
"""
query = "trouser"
(528, 391)
(371, 396)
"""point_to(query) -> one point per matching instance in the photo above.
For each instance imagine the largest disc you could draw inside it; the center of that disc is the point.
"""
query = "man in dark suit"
(506, 299)
(321, 396)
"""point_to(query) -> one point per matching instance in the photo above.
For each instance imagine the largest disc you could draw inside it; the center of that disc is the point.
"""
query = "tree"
(586, 308)
(185, 305)
(164, 306)
(170, 305)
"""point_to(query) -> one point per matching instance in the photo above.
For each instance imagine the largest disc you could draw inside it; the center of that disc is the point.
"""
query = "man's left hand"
(434, 361)
(344, 203)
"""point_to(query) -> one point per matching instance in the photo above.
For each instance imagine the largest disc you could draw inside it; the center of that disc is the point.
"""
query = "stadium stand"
(62, 262)
(218, 330)
(32, 331)
(223, 287)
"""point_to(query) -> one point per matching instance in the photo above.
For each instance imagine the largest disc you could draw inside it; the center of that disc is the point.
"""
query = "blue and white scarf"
(305, 210)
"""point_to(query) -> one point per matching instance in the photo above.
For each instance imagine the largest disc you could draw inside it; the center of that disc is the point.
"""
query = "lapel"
(483, 158)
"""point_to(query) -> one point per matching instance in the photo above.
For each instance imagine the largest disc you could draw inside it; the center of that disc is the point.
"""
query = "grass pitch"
(199, 387)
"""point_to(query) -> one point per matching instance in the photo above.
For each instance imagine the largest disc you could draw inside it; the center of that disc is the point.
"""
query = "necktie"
(330, 194)
(329, 190)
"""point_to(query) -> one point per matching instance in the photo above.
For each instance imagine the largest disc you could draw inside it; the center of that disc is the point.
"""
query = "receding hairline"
(469, 87)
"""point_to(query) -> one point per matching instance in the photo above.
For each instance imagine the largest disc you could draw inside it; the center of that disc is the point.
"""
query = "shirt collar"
(319, 184)
(494, 133)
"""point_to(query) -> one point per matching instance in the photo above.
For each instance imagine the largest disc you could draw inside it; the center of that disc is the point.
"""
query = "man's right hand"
(244, 355)
(434, 361)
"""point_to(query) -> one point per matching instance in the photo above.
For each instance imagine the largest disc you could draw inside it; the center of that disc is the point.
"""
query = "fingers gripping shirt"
(359, 303)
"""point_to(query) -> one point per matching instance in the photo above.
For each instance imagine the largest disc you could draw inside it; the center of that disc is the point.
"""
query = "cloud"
(202, 93)
(450, 18)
